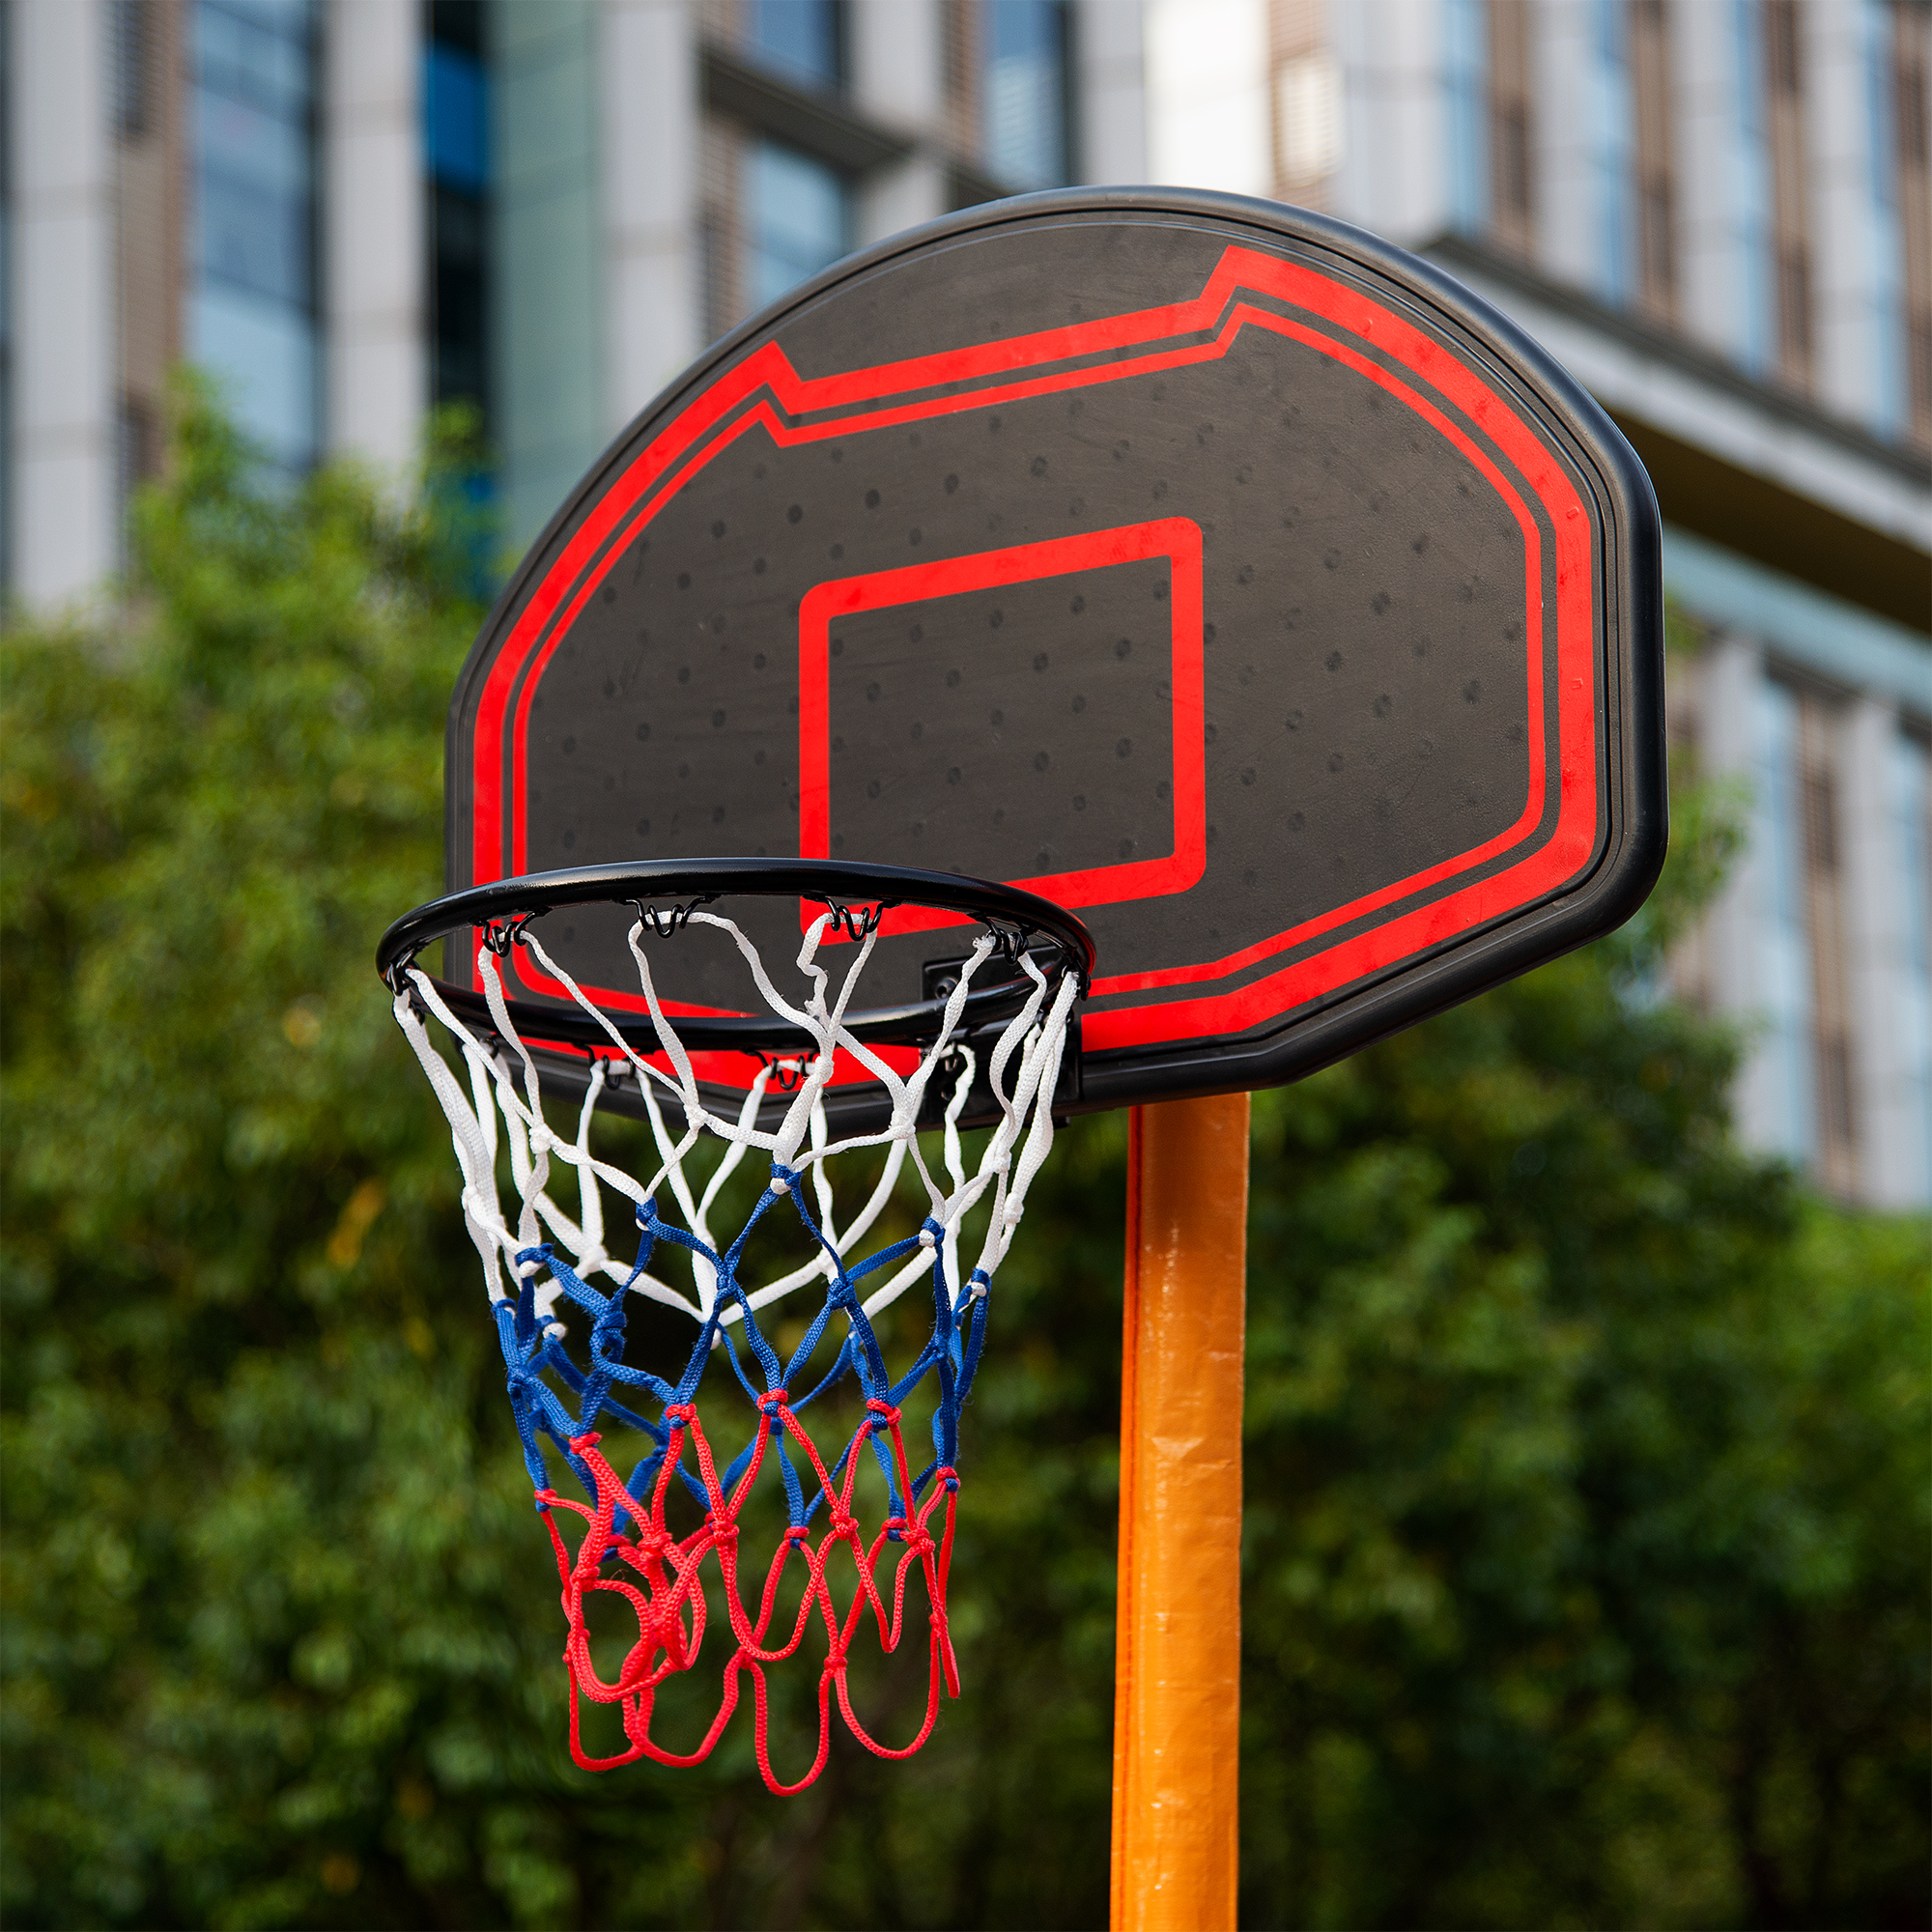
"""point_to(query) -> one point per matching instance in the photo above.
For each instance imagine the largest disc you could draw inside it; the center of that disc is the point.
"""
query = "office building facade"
(1716, 212)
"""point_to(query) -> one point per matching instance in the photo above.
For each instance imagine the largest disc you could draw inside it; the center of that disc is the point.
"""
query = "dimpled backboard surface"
(1207, 566)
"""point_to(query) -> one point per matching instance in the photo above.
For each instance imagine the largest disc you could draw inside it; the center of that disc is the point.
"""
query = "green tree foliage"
(1587, 1485)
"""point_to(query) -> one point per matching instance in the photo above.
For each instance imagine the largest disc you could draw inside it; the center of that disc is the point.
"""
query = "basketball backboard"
(1209, 567)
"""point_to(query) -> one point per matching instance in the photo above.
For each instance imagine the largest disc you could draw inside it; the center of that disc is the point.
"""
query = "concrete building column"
(1112, 129)
(63, 486)
(898, 63)
(1207, 122)
(1394, 172)
(1891, 1162)
(649, 132)
(375, 245)
(1563, 137)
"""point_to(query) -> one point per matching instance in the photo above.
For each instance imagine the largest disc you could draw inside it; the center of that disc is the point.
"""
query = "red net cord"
(660, 1576)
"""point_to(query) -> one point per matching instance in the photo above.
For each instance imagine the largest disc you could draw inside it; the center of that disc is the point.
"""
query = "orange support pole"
(1178, 1667)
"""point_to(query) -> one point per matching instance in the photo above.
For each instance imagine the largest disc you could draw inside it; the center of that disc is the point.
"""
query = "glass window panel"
(251, 319)
(456, 118)
(1025, 92)
(1784, 938)
(263, 353)
(253, 208)
(1612, 138)
(1911, 803)
(800, 35)
(1466, 64)
(796, 211)
(242, 56)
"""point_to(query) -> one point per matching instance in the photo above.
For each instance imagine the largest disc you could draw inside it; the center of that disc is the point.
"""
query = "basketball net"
(562, 1337)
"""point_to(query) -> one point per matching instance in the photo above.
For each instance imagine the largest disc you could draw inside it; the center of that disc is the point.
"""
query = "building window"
(796, 220)
(1651, 72)
(1784, 929)
(1612, 118)
(1465, 79)
(804, 38)
(1833, 1129)
(1783, 68)
(1512, 217)
(1023, 93)
(251, 302)
(456, 137)
(133, 69)
(1912, 148)
(1909, 802)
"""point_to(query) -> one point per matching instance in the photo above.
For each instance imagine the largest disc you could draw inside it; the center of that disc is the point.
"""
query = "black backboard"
(1205, 565)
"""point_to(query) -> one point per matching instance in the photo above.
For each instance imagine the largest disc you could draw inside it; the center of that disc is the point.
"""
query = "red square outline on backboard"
(1178, 539)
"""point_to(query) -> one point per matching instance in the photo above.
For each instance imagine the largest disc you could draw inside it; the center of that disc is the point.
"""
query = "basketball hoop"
(1003, 1023)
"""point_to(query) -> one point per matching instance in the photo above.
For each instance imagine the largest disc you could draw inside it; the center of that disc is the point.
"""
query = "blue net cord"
(560, 1300)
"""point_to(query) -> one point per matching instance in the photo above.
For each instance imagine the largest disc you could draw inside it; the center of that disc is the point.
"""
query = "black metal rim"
(664, 890)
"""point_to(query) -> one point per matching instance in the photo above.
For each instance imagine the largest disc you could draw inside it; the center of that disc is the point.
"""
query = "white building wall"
(64, 458)
(897, 63)
(1393, 173)
(1563, 184)
(1112, 114)
(1208, 94)
(375, 242)
(650, 133)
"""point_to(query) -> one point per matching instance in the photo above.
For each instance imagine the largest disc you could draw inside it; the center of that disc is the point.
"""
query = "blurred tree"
(1587, 1459)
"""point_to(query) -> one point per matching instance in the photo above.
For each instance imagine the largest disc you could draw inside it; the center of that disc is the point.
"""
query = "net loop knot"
(500, 934)
(663, 924)
(856, 923)
(774, 1399)
(680, 1414)
(947, 1477)
(884, 1416)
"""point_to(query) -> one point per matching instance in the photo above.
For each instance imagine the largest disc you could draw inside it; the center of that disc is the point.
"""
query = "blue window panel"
(800, 35)
(1465, 32)
(1025, 92)
(257, 53)
(1891, 382)
(263, 353)
(1612, 145)
(252, 300)
(456, 118)
(1753, 191)
(255, 197)
(796, 217)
